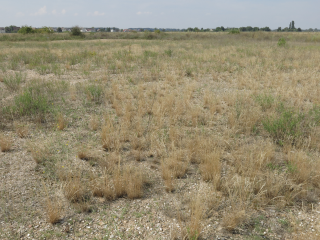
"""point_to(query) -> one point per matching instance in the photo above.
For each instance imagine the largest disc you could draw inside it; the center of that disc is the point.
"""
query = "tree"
(292, 25)
(249, 28)
(222, 28)
(59, 29)
(26, 30)
(75, 31)
(267, 29)
(299, 30)
(44, 30)
(11, 29)
(279, 29)
(256, 29)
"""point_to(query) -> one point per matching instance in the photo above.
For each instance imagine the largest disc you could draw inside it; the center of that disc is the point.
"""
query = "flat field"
(182, 136)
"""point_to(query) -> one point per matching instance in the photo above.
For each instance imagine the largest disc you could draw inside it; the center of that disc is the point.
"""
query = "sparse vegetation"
(212, 134)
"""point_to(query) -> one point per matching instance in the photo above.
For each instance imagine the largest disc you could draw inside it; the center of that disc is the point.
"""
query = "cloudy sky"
(160, 13)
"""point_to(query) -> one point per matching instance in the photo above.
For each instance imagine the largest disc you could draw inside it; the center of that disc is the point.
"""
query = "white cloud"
(54, 12)
(144, 13)
(63, 11)
(95, 13)
(41, 11)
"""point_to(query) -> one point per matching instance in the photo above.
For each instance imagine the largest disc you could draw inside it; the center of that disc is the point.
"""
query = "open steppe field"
(186, 136)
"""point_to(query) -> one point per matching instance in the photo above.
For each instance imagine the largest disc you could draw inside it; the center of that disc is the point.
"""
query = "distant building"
(15, 29)
(115, 29)
(2, 30)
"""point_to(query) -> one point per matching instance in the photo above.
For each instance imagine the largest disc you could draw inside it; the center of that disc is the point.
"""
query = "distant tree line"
(223, 29)
(29, 29)
(291, 28)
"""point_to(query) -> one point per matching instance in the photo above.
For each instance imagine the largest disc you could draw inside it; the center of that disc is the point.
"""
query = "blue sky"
(160, 13)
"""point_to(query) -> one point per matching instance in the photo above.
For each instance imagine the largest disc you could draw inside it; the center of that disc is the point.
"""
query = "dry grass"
(94, 123)
(175, 166)
(233, 218)
(110, 137)
(101, 187)
(39, 152)
(134, 181)
(119, 183)
(210, 167)
(5, 143)
(195, 227)
(54, 210)
(61, 122)
(21, 130)
(75, 190)
(240, 116)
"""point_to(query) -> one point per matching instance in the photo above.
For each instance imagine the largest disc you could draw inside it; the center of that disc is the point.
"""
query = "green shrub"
(282, 42)
(168, 52)
(26, 30)
(32, 101)
(44, 30)
(234, 31)
(95, 93)
(287, 126)
(265, 101)
(37, 98)
(76, 31)
(149, 35)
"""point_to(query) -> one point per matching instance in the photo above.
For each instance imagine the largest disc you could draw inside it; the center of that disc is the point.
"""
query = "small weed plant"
(288, 125)
(13, 82)
(282, 42)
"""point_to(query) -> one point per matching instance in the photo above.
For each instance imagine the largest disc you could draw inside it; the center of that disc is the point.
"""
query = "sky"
(160, 13)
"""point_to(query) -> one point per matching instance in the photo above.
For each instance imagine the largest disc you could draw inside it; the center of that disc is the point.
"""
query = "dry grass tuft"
(39, 152)
(61, 122)
(194, 227)
(54, 210)
(137, 155)
(109, 138)
(134, 182)
(21, 130)
(73, 94)
(210, 167)
(175, 166)
(5, 144)
(75, 190)
(94, 123)
(119, 183)
(233, 218)
(103, 188)
(85, 154)
(299, 167)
